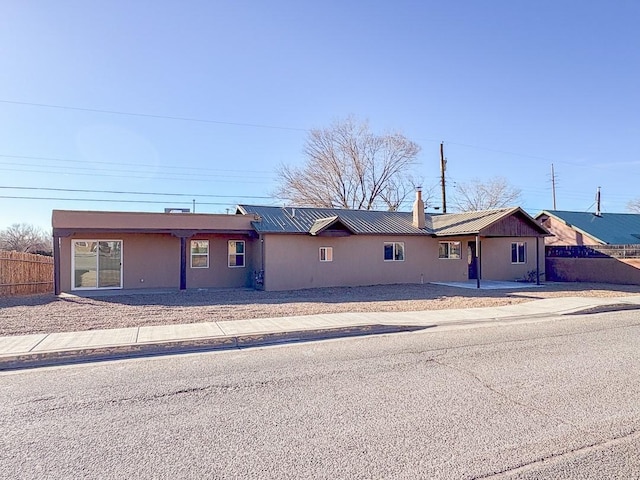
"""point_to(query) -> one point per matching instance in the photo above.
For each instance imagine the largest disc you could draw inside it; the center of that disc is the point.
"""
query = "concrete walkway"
(36, 350)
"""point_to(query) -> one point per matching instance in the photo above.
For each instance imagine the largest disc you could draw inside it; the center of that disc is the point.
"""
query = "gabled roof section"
(608, 228)
(503, 222)
(334, 223)
(302, 220)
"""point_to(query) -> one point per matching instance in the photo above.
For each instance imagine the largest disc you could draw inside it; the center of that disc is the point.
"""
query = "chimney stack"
(419, 219)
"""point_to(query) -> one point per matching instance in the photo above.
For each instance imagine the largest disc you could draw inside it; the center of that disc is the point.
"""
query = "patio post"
(478, 253)
(56, 264)
(183, 263)
(537, 260)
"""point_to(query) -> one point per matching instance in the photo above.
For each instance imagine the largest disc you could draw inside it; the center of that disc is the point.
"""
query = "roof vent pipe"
(598, 211)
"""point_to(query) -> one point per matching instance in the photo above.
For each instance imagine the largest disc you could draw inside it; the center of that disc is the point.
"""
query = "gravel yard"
(48, 313)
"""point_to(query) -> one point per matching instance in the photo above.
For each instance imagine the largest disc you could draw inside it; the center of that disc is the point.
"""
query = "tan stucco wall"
(607, 270)
(292, 262)
(153, 258)
(153, 261)
(496, 258)
(255, 253)
(219, 274)
(565, 235)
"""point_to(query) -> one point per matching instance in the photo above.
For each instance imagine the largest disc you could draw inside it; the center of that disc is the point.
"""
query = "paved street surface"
(547, 399)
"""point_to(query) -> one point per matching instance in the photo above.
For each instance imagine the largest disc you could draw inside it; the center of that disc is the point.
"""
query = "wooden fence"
(25, 273)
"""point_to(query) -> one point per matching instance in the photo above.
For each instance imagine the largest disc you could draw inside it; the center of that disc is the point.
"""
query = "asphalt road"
(550, 399)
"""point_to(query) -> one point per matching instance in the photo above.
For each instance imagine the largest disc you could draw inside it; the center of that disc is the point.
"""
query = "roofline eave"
(578, 229)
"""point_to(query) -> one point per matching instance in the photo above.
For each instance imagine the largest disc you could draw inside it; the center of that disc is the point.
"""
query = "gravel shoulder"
(49, 314)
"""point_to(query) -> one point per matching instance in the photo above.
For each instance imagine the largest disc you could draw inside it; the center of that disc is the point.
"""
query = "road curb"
(115, 352)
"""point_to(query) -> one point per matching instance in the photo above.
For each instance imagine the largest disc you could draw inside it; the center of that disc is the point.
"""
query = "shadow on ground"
(374, 293)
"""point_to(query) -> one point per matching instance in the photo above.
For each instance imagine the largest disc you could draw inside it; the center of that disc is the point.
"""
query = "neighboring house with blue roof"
(585, 228)
(282, 248)
(592, 247)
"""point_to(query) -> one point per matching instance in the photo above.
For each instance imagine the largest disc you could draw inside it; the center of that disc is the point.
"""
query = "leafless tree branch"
(484, 195)
(347, 166)
(634, 205)
(22, 237)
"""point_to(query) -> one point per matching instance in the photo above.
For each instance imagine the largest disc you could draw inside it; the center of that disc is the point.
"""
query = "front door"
(472, 265)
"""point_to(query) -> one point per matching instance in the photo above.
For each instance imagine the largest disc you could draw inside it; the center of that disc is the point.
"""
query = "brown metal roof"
(310, 220)
(302, 220)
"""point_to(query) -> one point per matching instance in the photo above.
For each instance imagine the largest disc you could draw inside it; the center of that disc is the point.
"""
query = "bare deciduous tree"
(634, 205)
(484, 195)
(23, 237)
(347, 166)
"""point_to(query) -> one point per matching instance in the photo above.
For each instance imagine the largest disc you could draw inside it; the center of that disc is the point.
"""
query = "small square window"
(519, 252)
(236, 253)
(326, 254)
(393, 252)
(199, 253)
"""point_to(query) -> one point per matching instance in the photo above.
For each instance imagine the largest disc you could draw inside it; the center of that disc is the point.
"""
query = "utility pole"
(443, 167)
(553, 186)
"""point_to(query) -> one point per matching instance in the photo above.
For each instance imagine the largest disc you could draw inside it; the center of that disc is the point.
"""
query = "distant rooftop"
(608, 228)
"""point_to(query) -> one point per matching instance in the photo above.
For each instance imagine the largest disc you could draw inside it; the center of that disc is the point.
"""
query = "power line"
(103, 200)
(124, 176)
(26, 157)
(148, 115)
(253, 125)
(526, 155)
(135, 171)
(78, 190)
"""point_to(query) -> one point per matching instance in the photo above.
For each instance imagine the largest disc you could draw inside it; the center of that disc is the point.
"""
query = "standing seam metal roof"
(609, 228)
(468, 222)
(303, 219)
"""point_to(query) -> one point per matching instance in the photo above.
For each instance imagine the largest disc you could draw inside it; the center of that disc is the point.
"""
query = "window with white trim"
(393, 251)
(450, 250)
(326, 254)
(199, 253)
(236, 253)
(519, 252)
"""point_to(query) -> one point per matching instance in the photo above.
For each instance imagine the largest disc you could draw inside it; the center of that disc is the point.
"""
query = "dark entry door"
(471, 261)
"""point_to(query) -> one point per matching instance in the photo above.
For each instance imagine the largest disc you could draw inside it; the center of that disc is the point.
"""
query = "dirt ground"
(48, 313)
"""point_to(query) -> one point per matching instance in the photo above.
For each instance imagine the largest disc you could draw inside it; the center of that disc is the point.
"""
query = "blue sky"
(214, 95)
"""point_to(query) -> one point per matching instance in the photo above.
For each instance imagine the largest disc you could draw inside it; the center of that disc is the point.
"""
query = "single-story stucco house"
(281, 248)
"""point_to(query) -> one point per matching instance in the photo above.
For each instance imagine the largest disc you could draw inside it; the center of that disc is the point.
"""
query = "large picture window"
(519, 252)
(199, 253)
(393, 252)
(97, 264)
(451, 250)
(236, 253)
